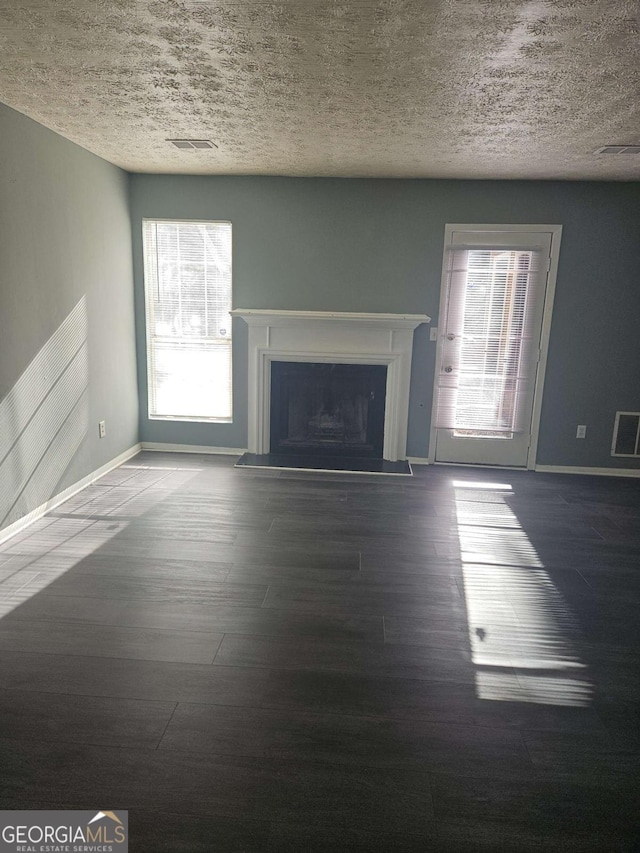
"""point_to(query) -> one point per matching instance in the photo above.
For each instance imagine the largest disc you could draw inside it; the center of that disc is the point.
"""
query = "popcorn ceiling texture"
(404, 88)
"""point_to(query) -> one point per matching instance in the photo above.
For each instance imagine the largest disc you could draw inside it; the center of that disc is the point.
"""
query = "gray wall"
(375, 245)
(67, 353)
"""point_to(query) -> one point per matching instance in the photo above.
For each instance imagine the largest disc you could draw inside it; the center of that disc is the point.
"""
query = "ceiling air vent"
(192, 143)
(618, 149)
(626, 434)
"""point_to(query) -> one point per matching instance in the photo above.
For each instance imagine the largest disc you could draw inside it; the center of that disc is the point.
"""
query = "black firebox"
(328, 409)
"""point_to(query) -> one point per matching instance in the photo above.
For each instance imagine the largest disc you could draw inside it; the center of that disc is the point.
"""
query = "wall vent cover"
(192, 143)
(626, 434)
(618, 149)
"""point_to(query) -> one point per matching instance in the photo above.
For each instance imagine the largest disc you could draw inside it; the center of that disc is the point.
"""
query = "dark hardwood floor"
(253, 660)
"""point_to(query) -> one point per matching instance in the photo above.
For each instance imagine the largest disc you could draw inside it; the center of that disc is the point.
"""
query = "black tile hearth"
(309, 462)
(265, 660)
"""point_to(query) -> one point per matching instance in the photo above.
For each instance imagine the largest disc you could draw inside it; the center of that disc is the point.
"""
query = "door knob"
(448, 369)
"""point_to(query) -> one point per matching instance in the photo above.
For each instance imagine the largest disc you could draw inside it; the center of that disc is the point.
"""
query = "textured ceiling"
(429, 88)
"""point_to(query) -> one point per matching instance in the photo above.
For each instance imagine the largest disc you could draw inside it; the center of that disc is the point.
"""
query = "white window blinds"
(187, 273)
(488, 349)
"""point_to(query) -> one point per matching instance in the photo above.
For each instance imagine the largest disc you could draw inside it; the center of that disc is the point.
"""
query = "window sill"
(188, 419)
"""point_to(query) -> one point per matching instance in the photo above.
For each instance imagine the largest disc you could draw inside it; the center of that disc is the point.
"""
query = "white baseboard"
(192, 448)
(594, 472)
(69, 492)
(472, 466)
(418, 460)
(543, 469)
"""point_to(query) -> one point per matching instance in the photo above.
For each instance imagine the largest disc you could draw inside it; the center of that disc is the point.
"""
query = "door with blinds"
(495, 287)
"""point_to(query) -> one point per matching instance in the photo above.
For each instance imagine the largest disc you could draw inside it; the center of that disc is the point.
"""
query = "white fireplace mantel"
(331, 337)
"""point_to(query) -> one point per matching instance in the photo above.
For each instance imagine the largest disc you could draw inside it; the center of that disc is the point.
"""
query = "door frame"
(550, 290)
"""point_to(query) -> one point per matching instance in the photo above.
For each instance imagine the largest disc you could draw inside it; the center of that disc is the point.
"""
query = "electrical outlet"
(433, 334)
(581, 432)
(102, 428)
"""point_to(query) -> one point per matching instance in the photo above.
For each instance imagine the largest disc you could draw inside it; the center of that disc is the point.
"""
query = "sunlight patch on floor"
(524, 639)
(42, 553)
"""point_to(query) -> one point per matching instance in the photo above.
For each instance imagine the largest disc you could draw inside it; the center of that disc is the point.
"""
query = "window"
(187, 276)
(493, 340)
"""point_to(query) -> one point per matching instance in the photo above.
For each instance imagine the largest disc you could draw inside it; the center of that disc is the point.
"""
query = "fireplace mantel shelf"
(268, 317)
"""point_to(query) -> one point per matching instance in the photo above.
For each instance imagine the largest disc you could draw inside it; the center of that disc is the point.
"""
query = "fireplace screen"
(328, 409)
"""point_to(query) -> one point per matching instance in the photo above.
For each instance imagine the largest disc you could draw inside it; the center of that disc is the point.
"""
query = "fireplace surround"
(323, 337)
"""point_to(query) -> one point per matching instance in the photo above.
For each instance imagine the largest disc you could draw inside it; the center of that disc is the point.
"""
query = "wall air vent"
(618, 149)
(626, 434)
(192, 143)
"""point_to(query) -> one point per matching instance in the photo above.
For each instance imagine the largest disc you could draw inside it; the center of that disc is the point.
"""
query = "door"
(490, 341)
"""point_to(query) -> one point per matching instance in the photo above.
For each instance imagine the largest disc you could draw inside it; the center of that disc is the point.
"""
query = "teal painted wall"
(376, 245)
(65, 244)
